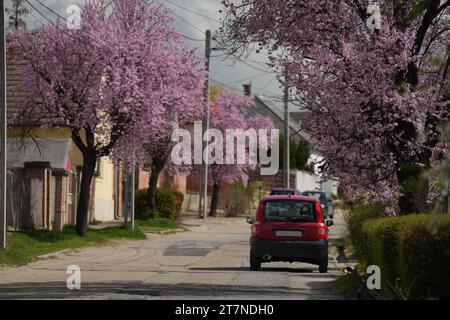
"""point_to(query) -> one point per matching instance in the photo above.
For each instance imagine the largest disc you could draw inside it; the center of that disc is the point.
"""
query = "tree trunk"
(156, 170)
(214, 199)
(414, 188)
(89, 162)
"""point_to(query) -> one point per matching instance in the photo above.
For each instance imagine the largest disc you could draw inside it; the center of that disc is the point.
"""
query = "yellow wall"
(63, 132)
(104, 184)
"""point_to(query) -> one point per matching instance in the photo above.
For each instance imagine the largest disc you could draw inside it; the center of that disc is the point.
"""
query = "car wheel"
(323, 265)
(255, 263)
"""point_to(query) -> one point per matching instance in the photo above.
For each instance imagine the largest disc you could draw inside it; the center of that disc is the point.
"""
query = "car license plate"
(288, 233)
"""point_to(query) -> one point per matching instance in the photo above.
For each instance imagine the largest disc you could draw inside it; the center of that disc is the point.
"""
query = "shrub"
(380, 245)
(168, 204)
(424, 248)
(179, 198)
(234, 201)
(355, 220)
(140, 205)
(414, 249)
(149, 214)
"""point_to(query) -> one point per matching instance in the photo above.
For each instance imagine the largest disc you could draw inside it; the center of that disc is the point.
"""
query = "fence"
(40, 197)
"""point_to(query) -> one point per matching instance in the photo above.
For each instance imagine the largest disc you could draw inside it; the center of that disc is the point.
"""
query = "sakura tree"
(229, 111)
(99, 80)
(376, 95)
(180, 93)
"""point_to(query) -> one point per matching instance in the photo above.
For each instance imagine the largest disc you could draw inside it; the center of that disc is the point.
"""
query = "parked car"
(325, 202)
(284, 192)
(290, 229)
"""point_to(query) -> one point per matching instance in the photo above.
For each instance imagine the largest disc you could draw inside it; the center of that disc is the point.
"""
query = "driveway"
(210, 261)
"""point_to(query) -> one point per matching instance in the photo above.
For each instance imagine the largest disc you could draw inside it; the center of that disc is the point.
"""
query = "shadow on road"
(127, 290)
(235, 269)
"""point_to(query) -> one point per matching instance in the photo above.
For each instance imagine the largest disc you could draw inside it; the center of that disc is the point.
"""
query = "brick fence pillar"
(60, 198)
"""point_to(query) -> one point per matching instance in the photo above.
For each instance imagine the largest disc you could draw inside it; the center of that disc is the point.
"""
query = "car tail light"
(256, 228)
(319, 212)
(322, 231)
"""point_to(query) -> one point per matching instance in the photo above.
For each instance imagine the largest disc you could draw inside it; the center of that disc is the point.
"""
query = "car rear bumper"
(282, 250)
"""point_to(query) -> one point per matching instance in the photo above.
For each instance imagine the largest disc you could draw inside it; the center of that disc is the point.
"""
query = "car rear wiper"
(297, 219)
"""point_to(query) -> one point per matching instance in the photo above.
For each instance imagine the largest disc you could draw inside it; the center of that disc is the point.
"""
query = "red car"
(290, 229)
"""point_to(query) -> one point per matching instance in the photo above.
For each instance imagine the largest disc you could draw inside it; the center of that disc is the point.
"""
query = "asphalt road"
(208, 262)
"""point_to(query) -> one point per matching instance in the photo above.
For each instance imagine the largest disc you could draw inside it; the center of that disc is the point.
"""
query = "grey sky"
(227, 71)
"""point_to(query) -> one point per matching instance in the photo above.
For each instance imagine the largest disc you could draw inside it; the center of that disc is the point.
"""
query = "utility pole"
(286, 168)
(125, 195)
(447, 198)
(2, 129)
(128, 194)
(203, 188)
(133, 191)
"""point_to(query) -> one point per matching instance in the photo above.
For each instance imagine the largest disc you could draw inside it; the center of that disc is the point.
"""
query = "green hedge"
(355, 220)
(414, 249)
(425, 256)
(168, 204)
(380, 246)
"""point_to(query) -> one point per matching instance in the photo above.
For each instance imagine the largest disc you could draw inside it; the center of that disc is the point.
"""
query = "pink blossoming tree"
(229, 110)
(102, 80)
(180, 93)
(376, 96)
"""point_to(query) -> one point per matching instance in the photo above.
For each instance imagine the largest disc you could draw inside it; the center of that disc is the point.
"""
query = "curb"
(165, 232)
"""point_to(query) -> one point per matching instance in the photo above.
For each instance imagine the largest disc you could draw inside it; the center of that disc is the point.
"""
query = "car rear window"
(316, 195)
(289, 211)
(281, 192)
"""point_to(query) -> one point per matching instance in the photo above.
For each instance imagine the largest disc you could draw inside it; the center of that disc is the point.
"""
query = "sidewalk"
(192, 219)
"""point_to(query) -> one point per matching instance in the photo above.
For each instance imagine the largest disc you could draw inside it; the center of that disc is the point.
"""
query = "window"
(318, 195)
(289, 210)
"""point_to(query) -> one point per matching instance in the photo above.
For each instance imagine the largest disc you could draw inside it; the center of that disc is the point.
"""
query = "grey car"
(325, 203)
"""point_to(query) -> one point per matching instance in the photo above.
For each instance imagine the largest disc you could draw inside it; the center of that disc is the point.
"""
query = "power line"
(247, 64)
(192, 39)
(40, 13)
(189, 23)
(252, 66)
(53, 24)
(184, 20)
(56, 13)
(198, 29)
(35, 17)
(241, 81)
(266, 85)
(229, 87)
(192, 11)
(50, 9)
(252, 77)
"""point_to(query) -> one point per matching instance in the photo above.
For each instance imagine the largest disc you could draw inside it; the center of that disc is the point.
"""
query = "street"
(122, 120)
(210, 261)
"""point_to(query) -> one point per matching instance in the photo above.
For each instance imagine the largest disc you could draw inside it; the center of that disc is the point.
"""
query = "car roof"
(314, 191)
(291, 197)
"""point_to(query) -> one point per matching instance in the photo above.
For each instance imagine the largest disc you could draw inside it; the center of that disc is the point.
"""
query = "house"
(301, 180)
(46, 169)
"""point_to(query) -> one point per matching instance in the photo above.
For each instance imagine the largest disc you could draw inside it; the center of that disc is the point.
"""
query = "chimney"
(248, 89)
